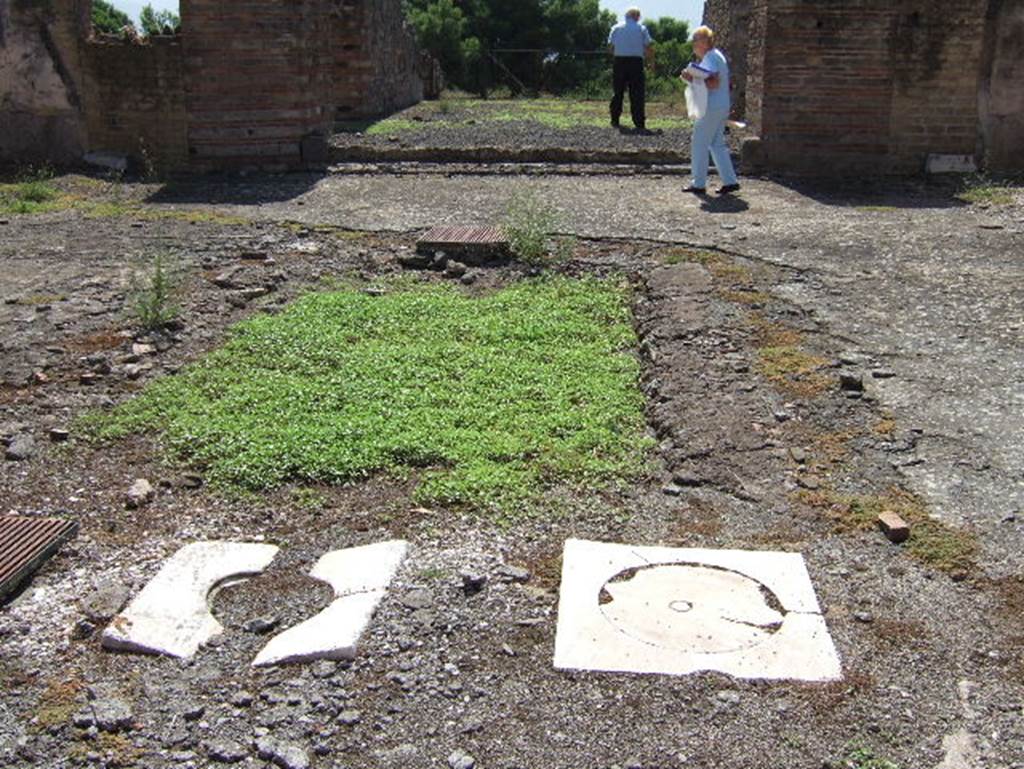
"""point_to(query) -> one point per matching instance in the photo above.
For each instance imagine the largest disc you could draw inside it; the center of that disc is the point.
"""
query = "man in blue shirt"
(631, 44)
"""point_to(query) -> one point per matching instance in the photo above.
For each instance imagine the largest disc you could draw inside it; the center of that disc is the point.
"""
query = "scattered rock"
(851, 382)
(105, 601)
(228, 278)
(671, 490)
(439, 261)
(415, 261)
(461, 760)
(468, 279)
(865, 617)
(140, 494)
(59, 435)
(262, 625)
(226, 751)
(139, 349)
(473, 582)
(350, 717)
(112, 715)
(455, 269)
(514, 573)
(894, 527)
(418, 599)
(21, 448)
(283, 754)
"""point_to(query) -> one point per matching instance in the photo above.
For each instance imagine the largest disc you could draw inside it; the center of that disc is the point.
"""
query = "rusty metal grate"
(26, 543)
(478, 243)
(465, 236)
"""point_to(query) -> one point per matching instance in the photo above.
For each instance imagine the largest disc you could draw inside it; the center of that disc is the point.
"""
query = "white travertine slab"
(360, 577)
(681, 611)
(171, 615)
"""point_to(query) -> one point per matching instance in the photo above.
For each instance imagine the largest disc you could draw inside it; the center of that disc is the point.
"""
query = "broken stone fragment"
(514, 573)
(282, 754)
(228, 278)
(21, 448)
(105, 601)
(171, 616)
(895, 528)
(851, 382)
(414, 261)
(226, 751)
(140, 349)
(112, 715)
(59, 435)
(141, 493)
(360, 577)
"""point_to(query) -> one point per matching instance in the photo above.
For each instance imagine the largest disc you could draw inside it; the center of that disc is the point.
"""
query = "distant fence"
(533, 71)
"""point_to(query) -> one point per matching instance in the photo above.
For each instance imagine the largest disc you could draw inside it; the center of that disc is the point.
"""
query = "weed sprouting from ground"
(529, 226)
(980, 190)
(32, 193)
(152, 301)
(931, 542)
(861, 757)
(491, 399)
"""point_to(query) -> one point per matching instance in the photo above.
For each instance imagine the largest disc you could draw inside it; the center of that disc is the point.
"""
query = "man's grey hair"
(634, 12)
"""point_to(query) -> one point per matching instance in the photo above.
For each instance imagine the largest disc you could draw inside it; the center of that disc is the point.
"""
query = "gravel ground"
(903, 284)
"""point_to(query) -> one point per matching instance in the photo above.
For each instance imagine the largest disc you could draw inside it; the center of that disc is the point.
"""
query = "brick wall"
(731, 20)
(376, 59)
(1001, 95)
(867, 84)
(255, 81)
(135, 99)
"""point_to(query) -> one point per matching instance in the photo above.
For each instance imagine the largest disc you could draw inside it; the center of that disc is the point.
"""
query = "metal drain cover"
(473, 245)
(25, 545)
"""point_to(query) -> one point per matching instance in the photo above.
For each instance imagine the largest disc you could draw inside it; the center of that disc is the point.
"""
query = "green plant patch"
(392, 126)
(491, 400)
(28, 197)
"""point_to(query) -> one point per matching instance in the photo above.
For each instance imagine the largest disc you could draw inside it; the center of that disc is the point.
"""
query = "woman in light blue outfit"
(709, 130)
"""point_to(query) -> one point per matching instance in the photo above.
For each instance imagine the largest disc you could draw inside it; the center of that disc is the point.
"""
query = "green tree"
(159, 22)
(107, 18)
(440, 27)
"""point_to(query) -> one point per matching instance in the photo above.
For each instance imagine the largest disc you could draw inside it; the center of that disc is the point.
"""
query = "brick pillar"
(255, 82)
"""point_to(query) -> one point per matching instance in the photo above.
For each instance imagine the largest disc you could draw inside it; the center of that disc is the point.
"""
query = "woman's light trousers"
(709, 140)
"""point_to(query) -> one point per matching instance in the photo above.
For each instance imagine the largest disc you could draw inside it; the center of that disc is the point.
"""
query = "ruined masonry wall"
(731, 20)
(255, 87)
(375, 59)
(868, 83)
(39, 102)
(136, 99)
(1002, 92)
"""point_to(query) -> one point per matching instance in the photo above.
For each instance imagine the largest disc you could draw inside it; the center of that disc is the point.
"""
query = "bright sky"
(134, 7)
(690, 10)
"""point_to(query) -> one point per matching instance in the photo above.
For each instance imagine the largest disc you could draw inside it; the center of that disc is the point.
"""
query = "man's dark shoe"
(728, 189)
(615, 124)
(695, 190)
(643, 132)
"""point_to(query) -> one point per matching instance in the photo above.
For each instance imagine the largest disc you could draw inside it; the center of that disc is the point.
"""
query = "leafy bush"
(152, 296)
(529, 225)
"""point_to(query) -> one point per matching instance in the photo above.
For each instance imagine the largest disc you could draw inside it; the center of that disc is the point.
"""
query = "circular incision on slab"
(691, 608)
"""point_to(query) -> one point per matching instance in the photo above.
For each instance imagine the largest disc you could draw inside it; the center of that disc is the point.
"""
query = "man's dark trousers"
(628, 72)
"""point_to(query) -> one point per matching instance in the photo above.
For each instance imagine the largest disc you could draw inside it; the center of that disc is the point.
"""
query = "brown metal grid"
(464, 236)
(26, 543)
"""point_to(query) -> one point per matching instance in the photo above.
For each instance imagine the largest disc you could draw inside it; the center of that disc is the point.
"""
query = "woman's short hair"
(705, 32)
